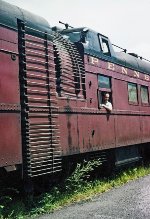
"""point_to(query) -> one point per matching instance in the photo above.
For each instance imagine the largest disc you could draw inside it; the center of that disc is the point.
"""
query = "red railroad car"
(52, 84)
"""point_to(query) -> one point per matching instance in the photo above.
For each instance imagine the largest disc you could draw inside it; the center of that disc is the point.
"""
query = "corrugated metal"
(70, 70)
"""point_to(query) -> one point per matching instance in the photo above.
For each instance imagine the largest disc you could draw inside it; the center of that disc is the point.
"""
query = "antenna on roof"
(124, 50)
(66, 25)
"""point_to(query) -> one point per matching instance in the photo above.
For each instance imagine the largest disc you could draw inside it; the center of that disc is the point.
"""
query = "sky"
(125, 22)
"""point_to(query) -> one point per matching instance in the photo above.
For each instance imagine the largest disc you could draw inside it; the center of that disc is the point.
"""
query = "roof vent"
(55, 28)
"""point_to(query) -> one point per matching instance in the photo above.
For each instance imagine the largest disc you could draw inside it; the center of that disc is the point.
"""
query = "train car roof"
(131, 61)
(10, 13)
(80, 29)
(128, 60)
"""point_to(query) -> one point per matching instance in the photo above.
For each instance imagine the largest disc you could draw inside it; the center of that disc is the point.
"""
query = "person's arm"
(107, 107)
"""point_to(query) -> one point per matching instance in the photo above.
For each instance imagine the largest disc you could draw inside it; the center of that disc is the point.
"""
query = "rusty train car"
(52, 82)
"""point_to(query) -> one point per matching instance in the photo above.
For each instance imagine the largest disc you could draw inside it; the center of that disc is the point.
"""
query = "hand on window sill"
(101, 106)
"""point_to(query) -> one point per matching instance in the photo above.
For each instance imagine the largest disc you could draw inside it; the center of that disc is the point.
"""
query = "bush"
(80, 176)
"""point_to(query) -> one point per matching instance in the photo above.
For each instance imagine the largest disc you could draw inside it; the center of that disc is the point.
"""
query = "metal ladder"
(40, 130)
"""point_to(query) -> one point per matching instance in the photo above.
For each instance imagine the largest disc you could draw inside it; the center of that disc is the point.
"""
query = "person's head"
(106, 97)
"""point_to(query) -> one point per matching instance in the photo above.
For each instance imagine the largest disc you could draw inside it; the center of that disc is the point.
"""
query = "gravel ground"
(131, 201)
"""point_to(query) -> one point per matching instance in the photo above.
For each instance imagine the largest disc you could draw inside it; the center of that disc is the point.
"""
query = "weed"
(80, 176)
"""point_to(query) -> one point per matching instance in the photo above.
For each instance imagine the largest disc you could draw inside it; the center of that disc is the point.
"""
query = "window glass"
(144, 94)
(105, 47)
(104, 82)
(132, 92)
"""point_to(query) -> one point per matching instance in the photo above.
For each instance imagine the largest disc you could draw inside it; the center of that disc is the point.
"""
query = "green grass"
(76, 188)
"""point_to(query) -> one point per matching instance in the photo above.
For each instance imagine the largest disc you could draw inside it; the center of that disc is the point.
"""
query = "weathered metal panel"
(69, 136)
(10, 139)
(128, 130)
(145, 128)
(120, 99)
(9, 36)
(101, 131)
(86, 132)
(9, 81)
(91, 90)
(10, 124)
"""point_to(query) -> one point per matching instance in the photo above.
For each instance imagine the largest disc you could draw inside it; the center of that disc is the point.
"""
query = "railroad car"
(52, 83)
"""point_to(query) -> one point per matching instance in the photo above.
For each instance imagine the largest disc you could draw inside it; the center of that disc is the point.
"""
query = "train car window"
(104, 82)
(104, 86)
(132, 93)
(144, 95)
(104, 46)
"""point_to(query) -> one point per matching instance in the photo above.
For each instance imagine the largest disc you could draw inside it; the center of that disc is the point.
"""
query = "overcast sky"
(125, 22)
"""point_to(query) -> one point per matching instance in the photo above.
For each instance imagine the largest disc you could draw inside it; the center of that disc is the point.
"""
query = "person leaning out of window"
(106, 103)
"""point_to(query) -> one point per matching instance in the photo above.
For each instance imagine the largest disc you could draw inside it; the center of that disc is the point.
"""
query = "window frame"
(101, 91)
(103, 39)
(132, 102)
(144, 104)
